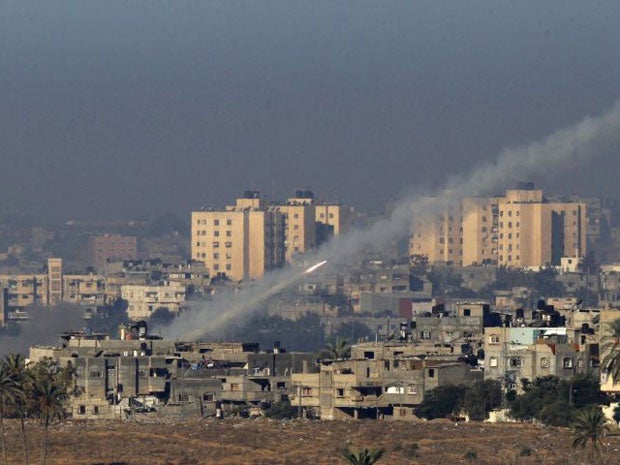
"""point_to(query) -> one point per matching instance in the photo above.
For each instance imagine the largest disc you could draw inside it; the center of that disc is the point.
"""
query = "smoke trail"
(44, 326)
(574, 144)
(558, 151)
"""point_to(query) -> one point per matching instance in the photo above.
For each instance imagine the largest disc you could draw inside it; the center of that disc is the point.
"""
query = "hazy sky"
(118, 109)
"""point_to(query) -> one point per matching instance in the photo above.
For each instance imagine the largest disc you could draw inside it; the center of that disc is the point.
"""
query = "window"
(96, 410)
(340, 392)
(515, 362)
(216, 222)
(228, 267)
(493, 362)
(229, 222)
(544, 362)
(411, 389)
(494, 339)
(82, 409)
(216, 245)
(94, 374)
(228, 233)
(467, 312)
(567, 362)
(143, 373)
(431, 372)
(369, 354)
(216, 233)
(228, 245)
(216, 256)
(234, 386)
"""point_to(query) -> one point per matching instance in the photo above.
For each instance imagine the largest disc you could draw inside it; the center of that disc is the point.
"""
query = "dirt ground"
(266, 442)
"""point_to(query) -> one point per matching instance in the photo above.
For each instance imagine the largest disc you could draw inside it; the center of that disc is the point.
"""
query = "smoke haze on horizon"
(130, 109)
(578, 144)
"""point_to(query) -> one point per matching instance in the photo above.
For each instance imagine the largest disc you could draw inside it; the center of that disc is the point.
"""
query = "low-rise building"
(144, 300)
(514, 354)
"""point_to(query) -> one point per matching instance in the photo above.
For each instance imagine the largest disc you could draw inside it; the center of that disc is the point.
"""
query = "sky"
(123, 109)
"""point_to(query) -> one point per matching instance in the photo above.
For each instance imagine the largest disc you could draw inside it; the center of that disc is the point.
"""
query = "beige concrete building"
(520, 229)
(111, 247)
(300, 226)
(242, 242)
(480, 228)
(247, 239)
(438, 236)
(513, 354)
(21, 290)
(144, 300)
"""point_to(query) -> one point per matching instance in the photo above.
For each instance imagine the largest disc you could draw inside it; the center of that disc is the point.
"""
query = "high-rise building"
(437, 235)
(520, 229)
(242, 241)
(300, 223)
(110, 247)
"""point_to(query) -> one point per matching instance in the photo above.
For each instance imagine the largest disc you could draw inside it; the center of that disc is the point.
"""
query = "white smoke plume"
(559, 151)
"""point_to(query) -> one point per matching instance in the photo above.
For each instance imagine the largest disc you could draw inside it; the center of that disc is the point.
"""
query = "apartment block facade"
(519, 229)
(242, 242)
(246, 240)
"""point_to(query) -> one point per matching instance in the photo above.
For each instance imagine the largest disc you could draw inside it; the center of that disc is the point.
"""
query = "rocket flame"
(314, 267)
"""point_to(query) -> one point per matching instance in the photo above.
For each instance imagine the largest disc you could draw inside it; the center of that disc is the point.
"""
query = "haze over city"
(394, 225)
(118, 110)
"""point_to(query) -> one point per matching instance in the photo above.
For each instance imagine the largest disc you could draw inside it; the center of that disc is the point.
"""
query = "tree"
(611, 349)
(363, 456)
(481, 398)
(49, 406)
(9, 390)
(442, 402)
(21, 376)
(588, 430)
(338, 350)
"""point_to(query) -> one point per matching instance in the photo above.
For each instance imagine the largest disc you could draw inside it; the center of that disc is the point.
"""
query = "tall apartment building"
(533, 232)
(247, 239)
(438, 235)
(520, 229)
(111, 247)
(243, 241)
(301, 231)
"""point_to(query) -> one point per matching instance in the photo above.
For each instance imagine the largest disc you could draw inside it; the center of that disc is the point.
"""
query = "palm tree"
(363, 456)
(49, 406)
(338, 350)
(9, 390)
(611, 349)
(588, 430)
(16, 368)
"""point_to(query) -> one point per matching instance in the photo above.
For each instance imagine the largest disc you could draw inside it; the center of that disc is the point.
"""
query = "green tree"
(481, 398)
(21, 376)
(338, 350)
(9, 390)
(364, 456)
(49, 406)
(589, 429)
(611, 349)
(442, 402)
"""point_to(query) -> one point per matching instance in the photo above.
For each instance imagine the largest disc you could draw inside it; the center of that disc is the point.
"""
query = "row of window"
(216, 222)
(517, 362)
